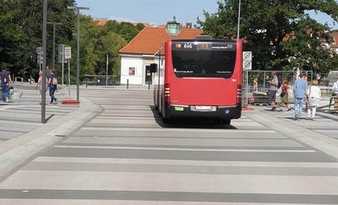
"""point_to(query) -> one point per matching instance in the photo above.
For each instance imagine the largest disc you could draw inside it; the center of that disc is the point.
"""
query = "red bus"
(200, 78)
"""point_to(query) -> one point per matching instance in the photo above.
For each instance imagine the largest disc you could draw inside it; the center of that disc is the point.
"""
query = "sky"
(158, 12)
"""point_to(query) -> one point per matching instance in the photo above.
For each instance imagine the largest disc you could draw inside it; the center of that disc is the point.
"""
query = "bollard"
(148, 85)
(127, 84)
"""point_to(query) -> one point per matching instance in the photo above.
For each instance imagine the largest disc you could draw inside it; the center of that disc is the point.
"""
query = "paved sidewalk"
(24, 114)
(22, 135)
(321, 133)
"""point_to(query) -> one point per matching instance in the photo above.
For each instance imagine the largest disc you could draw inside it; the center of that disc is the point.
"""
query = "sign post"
(44, 52)
(39, 58)
(68, 77)
(61, 59)
(247, 66)
(68, 56)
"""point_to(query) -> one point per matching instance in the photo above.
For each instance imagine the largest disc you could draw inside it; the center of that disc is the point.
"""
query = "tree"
(96, 43)
(279, 32)
(11, 34)
(125, 29)
(21, 32)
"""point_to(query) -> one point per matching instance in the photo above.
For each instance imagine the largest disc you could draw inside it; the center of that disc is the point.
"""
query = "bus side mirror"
(153, 68)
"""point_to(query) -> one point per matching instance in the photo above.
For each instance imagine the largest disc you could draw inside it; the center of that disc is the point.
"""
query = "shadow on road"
(186, 123)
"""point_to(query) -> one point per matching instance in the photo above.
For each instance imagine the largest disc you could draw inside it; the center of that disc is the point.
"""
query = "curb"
(15, 153)
(328, 116)
(319, 141)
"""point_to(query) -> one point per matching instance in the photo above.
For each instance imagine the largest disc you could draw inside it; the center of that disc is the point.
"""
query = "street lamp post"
(107, 66)
(44, 50)
(239, 19)
(77, 10)
(54, 31)
(245, 72)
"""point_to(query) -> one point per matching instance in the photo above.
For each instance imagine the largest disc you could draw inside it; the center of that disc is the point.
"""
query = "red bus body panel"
(209, 91)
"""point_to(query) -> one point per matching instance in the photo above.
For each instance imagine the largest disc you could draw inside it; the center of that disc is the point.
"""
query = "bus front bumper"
(228, 112)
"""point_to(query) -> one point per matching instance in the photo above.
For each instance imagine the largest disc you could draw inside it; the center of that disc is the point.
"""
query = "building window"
(131, 71)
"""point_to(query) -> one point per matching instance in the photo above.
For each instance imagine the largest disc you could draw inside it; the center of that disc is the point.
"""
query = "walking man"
(334, 93)
(52, 85)
(299, 90)
(273, 90)
(5, 79)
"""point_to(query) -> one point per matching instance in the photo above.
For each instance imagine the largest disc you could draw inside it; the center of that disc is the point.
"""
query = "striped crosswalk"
(125, 155)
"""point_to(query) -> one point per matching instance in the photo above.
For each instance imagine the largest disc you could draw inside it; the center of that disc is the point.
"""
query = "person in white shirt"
(334, 93)
(335, 88)
(314, 95)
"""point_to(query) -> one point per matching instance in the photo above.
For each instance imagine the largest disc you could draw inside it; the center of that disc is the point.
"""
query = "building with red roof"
(142, 50)
(335, 40)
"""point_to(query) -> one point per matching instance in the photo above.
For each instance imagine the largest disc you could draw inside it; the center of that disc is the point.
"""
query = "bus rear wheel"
(226, 122)
(167, 120)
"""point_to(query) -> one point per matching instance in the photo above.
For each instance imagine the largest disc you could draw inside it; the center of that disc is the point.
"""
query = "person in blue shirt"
(299, 91)
(5, 80)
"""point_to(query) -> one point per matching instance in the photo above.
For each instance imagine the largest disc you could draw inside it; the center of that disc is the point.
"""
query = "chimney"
(188, 25)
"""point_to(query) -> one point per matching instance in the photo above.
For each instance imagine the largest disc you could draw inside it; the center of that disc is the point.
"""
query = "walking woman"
(314, 95)
(285, 95)
(52, 85)
(5, 80)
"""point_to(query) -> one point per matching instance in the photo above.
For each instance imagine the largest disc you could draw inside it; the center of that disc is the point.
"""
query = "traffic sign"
(247, 60)
(68, 52)
(39, 53)
(61, 50)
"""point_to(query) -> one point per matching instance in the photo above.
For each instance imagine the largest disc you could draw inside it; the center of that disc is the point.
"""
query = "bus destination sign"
(197, 45)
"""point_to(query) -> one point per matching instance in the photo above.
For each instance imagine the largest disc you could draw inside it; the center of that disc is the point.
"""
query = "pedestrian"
(52, 86)
(273, 90)
(318, 78)
(314, 95)
(334, 92)
(39, 84)
(299, 91)
(5, 79)
(255, 85)
(285, 94)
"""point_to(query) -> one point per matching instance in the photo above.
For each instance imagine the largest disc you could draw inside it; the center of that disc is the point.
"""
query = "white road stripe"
(328, 131)
(184, 149)
(119, 202)
(175, 130)
(131, 181)
(187, 162)
(9, 107)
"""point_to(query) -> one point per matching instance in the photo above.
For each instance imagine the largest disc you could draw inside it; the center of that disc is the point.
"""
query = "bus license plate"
(204, 108)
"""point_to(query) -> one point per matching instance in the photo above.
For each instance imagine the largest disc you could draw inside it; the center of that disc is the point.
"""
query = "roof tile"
(150, 39)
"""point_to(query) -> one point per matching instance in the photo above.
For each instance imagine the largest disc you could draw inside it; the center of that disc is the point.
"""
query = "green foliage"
(279, 32)
(21, 32)
(98, 41)
(11, 34)
(127, 30)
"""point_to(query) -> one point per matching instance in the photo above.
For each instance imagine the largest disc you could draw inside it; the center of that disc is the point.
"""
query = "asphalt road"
(125, 155)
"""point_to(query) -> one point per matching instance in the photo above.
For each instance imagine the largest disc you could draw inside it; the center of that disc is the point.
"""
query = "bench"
(334, 103)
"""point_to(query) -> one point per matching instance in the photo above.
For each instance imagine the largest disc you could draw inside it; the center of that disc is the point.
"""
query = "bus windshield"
(204, 59)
